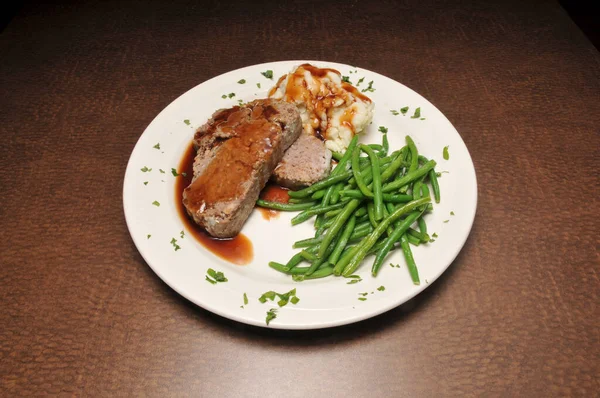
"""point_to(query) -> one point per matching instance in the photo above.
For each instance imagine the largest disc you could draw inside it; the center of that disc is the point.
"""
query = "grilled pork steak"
(237, 151)
(306, 162)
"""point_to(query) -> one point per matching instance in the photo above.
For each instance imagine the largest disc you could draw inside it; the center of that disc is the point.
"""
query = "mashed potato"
(330, 109)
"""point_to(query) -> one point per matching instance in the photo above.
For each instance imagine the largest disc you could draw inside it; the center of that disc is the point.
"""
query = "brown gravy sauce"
(273, 193)
(237, 250)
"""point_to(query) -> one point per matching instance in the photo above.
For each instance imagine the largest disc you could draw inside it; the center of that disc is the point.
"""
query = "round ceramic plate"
(182, 262)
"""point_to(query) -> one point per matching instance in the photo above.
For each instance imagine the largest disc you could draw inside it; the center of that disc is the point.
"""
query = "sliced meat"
(307, 161)
(237, 150)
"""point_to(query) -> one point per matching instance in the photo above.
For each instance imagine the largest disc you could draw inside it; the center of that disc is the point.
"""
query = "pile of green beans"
(367, 206)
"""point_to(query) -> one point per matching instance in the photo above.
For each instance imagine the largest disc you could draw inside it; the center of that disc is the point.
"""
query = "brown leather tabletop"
(82, 314)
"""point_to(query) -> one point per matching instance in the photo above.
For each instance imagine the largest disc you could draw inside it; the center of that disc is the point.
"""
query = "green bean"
(308, 242)
(279, 267)
(340, 220)
(410, 261)
(327, 182)
(393, 238)
(284, 206)
(300, 200)
(375, 147)
(370, 240)
(341, 244)
(306, 214)
(424, 238)
(361, 212)
(386, 213)
(318, 195)
(378, 199)
(308, 256)
(346, 258)
(394, 198)
(336, 155)
(341, 166)
(295, 260)
(333, 213)
(358, 176)
(413, 240)
(320, 273)
(323, 258)
(422, 226)
(320, 230)
(416, 191)
(335, 197)
(371, 213)
(409, 177)
(414, 154)
(435, 185)
(385, 144)
(360, 233)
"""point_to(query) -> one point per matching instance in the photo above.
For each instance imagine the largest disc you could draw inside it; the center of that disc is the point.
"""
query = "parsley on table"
(362, 79)
(157, 146)
(404, 110)
(217, 276)
(369, 87)
(156, 203)
(346, 79)
(271, 314)
(175, 245)
(187, 122)
(394, 112)
(445, 153)
(383, 129)
(417, 113)
(242, 81)
(268, 74)
(145, 169)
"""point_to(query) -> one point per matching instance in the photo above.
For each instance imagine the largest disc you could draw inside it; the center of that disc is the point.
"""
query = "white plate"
(323, 302)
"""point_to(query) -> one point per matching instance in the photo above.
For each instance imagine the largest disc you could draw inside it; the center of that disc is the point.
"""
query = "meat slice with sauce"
(237, 151)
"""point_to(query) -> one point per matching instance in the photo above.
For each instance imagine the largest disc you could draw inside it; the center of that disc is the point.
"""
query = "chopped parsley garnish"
(369, 87)
(346, 79)
(162, 171)
(383, 129)
(258, 85)
(417, 113)
(363, 294)
(394, 112)
(157, 146)
(434, 235)
(404, 110)
(210, 280)
(156, 203)
(243, 81)
(187, 122)
(148, 237)
(445, 221)
(284, 298)
(145, 182)
(174, 172)
(241, 102)
(439, 173)
(362, 298)
(381, 288)
(217, 276)
(422, 118)
(271, 314)
(182, 234)
(353, 281)
(362, 79)
(445, 153)
(145, 169)
(268, 74)
(175, 245)
(224, 96)
(231, 95)
(245, 299)
(394, 266)
(451, 213)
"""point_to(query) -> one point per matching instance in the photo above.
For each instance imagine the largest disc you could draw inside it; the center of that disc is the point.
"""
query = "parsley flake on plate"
(271, 314)
(383, 129)
(161, 171)
(148, 237)
(245, 299)
(362, 79)
(404, 110)
(242, 81)
(182, 234)
(362, 298)
(157, 146)
(145, 169)
(394, 112)
(268, 74)
(346, 79)
(417, 113)
(156, 203)
(174, 172)
(187, 122)
(231, 95)
(216, 276)
(258, 85)
(284, 298)
(369, 87)
(224, 96)
(381, 288)
(445, 153)
(175, 245)
(145, 182)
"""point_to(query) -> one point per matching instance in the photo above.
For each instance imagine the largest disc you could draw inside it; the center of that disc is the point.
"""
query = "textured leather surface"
(516, 314)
